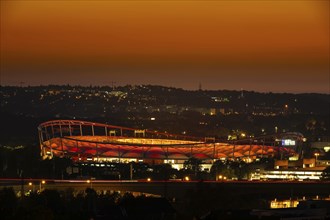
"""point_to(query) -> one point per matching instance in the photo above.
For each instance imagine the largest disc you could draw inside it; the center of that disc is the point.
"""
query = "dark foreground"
(180, 200)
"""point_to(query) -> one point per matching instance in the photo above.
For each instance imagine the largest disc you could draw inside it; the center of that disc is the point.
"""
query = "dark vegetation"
(89, 204)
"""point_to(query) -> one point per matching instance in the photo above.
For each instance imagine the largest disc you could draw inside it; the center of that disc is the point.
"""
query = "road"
(182, 189)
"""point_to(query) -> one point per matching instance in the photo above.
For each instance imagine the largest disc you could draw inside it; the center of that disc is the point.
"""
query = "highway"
(181, 189)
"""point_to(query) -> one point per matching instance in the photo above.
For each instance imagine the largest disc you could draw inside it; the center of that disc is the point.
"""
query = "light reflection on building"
(293, 203)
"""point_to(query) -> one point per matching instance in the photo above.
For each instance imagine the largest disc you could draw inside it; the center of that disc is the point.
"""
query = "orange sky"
(279, 46)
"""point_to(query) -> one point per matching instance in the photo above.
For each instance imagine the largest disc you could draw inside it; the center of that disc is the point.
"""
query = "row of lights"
(220, 177)
(42, 182)
(186, 178)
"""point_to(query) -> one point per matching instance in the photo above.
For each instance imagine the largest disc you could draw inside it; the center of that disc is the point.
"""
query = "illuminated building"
(304, 169)
(88, 141)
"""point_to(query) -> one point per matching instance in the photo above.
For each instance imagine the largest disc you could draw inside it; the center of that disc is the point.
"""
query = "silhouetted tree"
(8, 203)
(193, 165)
(162, 171)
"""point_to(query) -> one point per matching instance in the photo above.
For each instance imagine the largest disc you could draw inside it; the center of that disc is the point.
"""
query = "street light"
(186, 178)
(220, 177)
(316, 155)
(149, 179)
(32, 186)
(90, 182)
(43, 182)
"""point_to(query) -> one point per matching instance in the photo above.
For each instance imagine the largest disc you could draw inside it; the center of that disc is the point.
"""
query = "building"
(303, 169)
(89, 141)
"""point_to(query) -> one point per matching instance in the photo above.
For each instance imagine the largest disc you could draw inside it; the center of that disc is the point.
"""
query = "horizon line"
(24, 85)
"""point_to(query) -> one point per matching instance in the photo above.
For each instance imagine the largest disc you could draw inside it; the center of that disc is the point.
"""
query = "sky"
(265, 46)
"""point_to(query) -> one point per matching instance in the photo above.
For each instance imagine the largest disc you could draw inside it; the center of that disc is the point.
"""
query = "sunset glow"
(280, 46)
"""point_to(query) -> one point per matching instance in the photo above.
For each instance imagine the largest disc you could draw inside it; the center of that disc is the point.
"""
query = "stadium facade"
(89, 141)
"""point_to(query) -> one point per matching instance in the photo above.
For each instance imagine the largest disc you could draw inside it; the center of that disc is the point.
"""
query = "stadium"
(88, 141)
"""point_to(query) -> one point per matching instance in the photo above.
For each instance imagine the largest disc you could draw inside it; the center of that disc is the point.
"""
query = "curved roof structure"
(82, 140)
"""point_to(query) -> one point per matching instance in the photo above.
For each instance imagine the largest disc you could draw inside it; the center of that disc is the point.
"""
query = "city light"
(32, 186)
(90, 181)
(316, 155)
(186, 178)
(43, 182)
(221, 177)
(149, 179)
